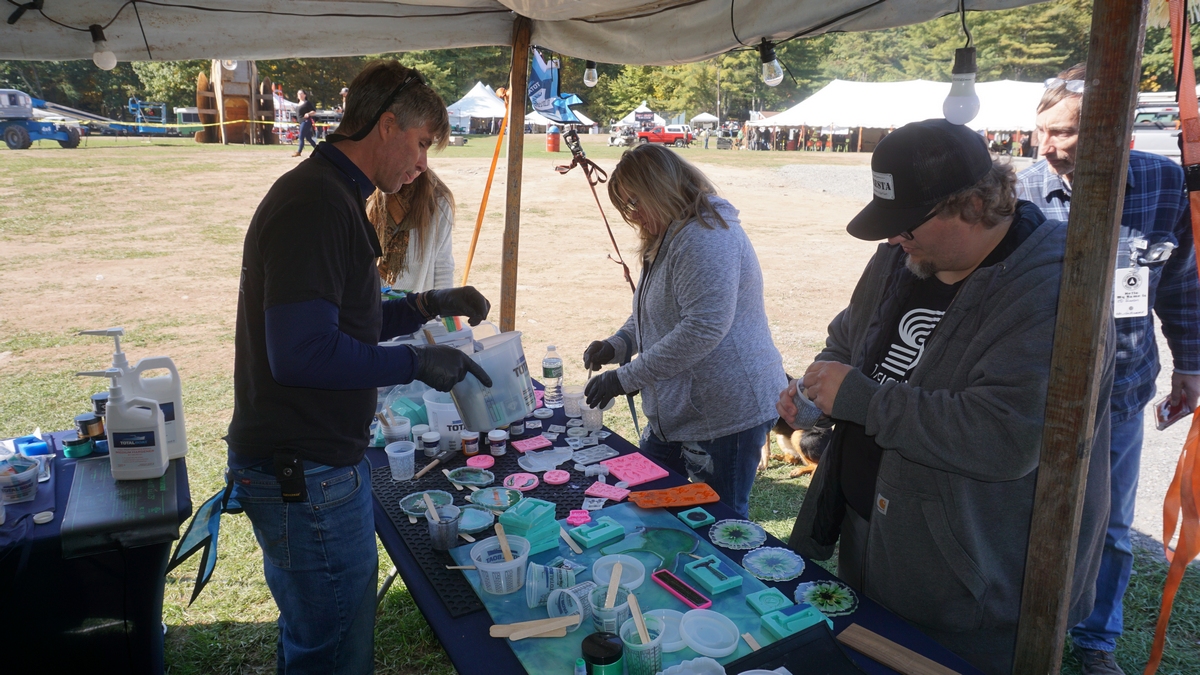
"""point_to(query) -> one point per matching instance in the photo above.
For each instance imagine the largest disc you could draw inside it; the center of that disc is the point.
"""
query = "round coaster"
(43, 517)
(543, 413)
(556, 477)
(481, 461)
(521, 481)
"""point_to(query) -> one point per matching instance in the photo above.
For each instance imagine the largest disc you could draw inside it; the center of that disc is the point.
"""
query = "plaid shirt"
(1156, 209)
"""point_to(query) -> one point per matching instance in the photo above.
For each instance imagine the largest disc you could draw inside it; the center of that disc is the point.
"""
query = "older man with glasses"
(1156, 269)
(935, 379)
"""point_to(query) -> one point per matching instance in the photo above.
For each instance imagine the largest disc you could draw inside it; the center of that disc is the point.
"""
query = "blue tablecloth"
(97, 613)
(472, 650)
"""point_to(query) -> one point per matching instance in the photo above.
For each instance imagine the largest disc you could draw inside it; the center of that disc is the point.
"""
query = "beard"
(921, 270)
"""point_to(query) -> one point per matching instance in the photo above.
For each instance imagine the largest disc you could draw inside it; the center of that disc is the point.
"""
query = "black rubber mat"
(451, 586)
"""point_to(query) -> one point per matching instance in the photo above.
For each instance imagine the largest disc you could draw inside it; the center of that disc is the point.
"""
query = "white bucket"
(511, 396)
(444, 419)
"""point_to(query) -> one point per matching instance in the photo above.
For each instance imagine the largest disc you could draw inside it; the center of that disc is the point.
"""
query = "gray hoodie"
(962, 439)
(706, 365)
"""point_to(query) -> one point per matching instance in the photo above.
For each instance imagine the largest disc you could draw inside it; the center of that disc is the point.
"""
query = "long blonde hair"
(667, 188)
(418, 202)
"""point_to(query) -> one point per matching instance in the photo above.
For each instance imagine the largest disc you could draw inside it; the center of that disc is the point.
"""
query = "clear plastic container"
(552, 378)
(443, 532)
(511, 396)
(573, 600)
(22, 485)
(401, 430)
(496, 575)
(573, 400)
(402, 459)
(609, 620)
(642, 659)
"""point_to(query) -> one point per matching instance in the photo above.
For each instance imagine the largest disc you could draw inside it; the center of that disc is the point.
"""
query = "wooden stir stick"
(613, 584)
(446, 472)
(431, 509)
(638, 619)
(508, 556)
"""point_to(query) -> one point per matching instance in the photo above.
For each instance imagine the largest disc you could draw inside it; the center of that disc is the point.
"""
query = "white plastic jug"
(168, 391)
(511, 396)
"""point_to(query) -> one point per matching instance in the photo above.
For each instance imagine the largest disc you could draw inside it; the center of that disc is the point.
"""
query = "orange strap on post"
(487, 188)
(1184, 492)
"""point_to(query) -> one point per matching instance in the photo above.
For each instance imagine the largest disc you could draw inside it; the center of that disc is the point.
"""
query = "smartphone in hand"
(1166, 414)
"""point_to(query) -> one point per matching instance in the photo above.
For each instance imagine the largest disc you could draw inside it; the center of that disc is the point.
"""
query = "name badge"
(1131, 292)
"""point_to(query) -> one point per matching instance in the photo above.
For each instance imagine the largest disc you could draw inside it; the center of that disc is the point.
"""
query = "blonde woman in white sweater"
(415, 228)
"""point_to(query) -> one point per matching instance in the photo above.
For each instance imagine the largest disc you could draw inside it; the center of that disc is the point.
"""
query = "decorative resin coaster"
(469, 475)
(831, 598)
(739, 535)
(771, 563)
(414, 504)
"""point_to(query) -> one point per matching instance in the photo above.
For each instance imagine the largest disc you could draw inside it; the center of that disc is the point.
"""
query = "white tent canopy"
(537, 119)
(630, 121)
(481, 102)
(645, 32)
(1003, 105)
(704, 118)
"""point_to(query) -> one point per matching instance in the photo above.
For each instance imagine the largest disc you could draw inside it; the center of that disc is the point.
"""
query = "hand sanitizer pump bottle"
(137, 445)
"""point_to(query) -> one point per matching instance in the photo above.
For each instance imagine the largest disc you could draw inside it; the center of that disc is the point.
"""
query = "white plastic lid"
(633, 572)
(672, 641)
(709, 633)
(497, 435)
(43, 517)
(431, 437)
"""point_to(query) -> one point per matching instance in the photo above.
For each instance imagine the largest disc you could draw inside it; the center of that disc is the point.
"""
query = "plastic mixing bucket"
(444, 419)
(511, 396)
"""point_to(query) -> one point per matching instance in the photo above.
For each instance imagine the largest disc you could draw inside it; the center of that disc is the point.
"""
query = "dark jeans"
(727, 464)
(321, 564)
(1102, 628)
(306, 132)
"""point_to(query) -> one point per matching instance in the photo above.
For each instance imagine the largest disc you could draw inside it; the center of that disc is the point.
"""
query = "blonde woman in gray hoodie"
(705, 363)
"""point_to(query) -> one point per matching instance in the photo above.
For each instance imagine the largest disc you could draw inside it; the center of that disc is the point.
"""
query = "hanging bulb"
(104, 59)
(229, 64)
(962, 105)
(772, 72)
(590, 76)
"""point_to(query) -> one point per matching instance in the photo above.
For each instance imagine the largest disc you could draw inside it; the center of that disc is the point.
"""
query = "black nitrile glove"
(462, 301)
(598, 354)
(603, 388)
(442, 367)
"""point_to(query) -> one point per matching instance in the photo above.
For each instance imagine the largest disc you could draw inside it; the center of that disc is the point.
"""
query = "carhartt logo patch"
(883, 185)
(881, 503)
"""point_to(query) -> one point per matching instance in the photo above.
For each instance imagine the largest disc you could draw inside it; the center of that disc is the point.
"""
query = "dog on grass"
(803, 449)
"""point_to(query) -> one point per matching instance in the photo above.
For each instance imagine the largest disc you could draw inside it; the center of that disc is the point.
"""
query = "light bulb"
(101, 56)
(962, 104)
(590, 76)
(229, 64)
(772, 72)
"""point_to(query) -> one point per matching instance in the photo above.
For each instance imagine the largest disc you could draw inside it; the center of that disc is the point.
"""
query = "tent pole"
(859, 149)
(518, 84)
(1084, 312)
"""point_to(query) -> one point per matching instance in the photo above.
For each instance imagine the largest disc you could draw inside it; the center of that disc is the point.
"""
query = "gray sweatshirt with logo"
(961, 444)
(706, 364)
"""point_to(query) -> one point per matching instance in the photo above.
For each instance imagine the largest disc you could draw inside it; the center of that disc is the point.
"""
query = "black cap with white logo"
(915, 168)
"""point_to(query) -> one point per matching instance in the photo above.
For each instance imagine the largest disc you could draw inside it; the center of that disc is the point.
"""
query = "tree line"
(1028, 43)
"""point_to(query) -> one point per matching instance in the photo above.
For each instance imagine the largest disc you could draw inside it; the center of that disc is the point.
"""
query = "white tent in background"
(629, 121)
(537, 119)
(479, 103)
(704, 118)
(1003, 105)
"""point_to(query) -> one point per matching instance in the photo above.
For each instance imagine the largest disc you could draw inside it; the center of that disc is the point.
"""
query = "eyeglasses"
(1073, 86)
(387, 103)
(907, 235)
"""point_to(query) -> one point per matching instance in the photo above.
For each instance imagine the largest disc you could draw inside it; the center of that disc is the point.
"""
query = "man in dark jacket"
(935, 377)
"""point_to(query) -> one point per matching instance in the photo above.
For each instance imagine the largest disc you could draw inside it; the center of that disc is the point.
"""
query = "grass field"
(147, 234)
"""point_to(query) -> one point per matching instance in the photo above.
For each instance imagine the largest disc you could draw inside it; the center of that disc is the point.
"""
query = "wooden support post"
(516, 153)
(219, 92)
(1084, 308)
(859, 148)
(252, 124)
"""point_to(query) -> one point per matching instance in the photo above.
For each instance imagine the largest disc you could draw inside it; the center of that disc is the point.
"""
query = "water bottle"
(552, 376)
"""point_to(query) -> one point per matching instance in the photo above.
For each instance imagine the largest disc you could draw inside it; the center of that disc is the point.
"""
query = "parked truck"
(674, 134)
(20, 128)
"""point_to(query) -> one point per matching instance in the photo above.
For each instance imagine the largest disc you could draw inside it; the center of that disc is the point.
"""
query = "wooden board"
(890, 654)
(206, 113)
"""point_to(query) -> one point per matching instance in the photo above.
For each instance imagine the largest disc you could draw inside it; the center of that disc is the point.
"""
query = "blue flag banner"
(543, 92)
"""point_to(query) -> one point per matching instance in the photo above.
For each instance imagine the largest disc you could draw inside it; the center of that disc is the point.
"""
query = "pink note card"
(634, 468)
(612, 492)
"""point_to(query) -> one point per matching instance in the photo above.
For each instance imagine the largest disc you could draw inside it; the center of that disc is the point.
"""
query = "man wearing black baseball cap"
(935, 378)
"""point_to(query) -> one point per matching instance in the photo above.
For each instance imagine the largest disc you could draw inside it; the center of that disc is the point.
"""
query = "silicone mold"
(684, 495)
(612, 492)
(635, 468)
(535, 443)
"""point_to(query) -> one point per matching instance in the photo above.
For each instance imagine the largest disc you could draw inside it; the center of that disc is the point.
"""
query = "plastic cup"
(572, 400)
(401, 458)
(609, 620)
(443, 533)
(400, 431)
(540, 580)
(593, 418)
(642, 659)
(573, 600)
(496, 575)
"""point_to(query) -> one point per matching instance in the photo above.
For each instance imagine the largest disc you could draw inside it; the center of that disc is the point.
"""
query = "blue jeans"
(321, 564)
(1102, 628)
(306, 132)
(727, 464)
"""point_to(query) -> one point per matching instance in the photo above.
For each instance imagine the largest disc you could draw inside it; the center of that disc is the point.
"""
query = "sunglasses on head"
(387, 103)
(1073, 86)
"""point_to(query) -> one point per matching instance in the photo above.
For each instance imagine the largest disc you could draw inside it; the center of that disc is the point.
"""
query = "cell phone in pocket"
(1166, 414)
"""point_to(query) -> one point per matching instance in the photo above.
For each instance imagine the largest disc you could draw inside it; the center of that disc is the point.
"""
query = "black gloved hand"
(598, 354)
(442, 367)
(462, 301)
(603, 388)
